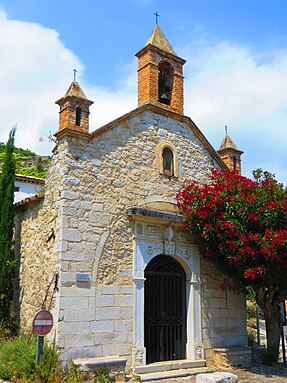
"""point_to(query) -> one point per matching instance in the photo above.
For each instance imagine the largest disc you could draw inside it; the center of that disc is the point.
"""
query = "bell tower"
(230, 154)
(74, 111)
(160, 77)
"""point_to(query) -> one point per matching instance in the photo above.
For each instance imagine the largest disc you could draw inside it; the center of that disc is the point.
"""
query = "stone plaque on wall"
(153, 230)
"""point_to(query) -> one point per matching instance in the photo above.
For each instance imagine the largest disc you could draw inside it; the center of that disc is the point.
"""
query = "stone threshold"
(173, 374)
(171, 365)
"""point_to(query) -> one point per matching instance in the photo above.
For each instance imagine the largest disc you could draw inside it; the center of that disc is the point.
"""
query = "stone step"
(172, 374)
(168, 366)
(109, 363)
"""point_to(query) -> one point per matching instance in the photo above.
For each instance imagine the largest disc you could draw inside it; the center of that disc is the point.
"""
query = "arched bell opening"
(165, 82)
(164, 310)
(78, 116)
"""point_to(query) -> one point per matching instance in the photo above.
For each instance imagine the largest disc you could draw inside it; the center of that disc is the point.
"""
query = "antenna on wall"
(50, 138)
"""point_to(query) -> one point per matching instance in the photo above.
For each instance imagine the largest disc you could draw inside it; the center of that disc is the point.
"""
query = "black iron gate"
(165, 310)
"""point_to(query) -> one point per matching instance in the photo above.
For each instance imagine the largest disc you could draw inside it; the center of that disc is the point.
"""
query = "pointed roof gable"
(158, 39)
(156, 109)
(75, 91)
(227, 143)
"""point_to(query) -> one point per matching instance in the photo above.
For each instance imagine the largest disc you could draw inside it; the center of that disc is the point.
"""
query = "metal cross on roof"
(156, 17)
(75, 74)
(225, 129)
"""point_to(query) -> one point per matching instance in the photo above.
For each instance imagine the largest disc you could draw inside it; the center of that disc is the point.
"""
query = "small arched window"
(78, 116)
(168, 162)
(165, 82)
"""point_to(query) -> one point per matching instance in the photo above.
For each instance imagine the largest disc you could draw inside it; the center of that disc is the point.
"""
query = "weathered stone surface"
(90, 187)
(217, 377)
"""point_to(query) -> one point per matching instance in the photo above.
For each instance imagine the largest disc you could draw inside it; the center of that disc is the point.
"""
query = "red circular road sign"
(42, 322)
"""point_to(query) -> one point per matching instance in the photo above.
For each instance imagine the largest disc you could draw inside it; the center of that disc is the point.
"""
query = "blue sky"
(235, 75)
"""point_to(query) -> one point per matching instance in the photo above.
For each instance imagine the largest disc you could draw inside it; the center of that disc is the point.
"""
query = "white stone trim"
(151, 239)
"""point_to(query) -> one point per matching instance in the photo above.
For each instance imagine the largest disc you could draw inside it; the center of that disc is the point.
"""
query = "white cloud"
(228, 84)
(225, 84)
(36, 70)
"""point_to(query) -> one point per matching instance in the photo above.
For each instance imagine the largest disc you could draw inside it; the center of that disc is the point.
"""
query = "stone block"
(77, 301)
(217, 377)
(117, 349)
(126, 312)
(73, 328)
(123, 325)
(68, 277)
(101, 326)
(127, 290)
(77, 292)
(108, 313)
(92, 351)
(70, 235)
(72, 256)
(104, 300)
(69, 195)
(98, 207)
(110, 289)
(100, 218)
(123, 300)
(77, 340)
(73, 314)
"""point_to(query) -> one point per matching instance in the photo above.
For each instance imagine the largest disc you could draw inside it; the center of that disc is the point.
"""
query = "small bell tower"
(74, 110)
(160, 77)
(230, 154)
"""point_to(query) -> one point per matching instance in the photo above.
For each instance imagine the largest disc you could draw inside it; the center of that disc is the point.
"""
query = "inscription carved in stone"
(153, 230)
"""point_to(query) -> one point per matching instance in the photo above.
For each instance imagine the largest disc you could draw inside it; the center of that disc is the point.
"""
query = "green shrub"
(33, 171)
(104, 376)
(18, 362)
(17, 357)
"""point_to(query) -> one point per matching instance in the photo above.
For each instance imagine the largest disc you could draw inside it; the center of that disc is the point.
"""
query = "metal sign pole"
(40, 345)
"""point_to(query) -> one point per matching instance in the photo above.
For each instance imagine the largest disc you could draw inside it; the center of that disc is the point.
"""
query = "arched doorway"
(164, 310)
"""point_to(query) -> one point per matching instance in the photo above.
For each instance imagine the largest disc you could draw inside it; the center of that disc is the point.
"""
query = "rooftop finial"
(156, 17)
(225, 129)
(75, 74)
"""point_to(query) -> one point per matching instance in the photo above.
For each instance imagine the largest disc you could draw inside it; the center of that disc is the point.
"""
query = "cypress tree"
(7, 258)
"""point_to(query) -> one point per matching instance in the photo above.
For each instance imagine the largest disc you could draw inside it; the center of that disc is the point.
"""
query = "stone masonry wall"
(117, 170)
(37, 225)
(224, 313)
(89, 187)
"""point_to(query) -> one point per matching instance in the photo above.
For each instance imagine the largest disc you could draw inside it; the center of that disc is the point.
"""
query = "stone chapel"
(104, 248)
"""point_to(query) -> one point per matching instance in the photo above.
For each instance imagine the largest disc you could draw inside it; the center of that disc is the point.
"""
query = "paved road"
(257, 374)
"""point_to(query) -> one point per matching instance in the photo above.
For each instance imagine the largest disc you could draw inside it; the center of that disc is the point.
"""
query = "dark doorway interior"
(165, 310)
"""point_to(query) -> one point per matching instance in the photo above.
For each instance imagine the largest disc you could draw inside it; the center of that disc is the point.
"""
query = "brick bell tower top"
(230, 154)
(74, 112)
(160, 77)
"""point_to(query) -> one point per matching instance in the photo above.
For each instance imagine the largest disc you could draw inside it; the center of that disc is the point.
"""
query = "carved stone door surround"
(151, 238)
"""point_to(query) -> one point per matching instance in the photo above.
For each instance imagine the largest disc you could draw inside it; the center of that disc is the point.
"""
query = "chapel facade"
(127, 280)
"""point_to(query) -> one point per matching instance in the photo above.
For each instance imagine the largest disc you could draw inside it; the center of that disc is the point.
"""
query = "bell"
(164, 98)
